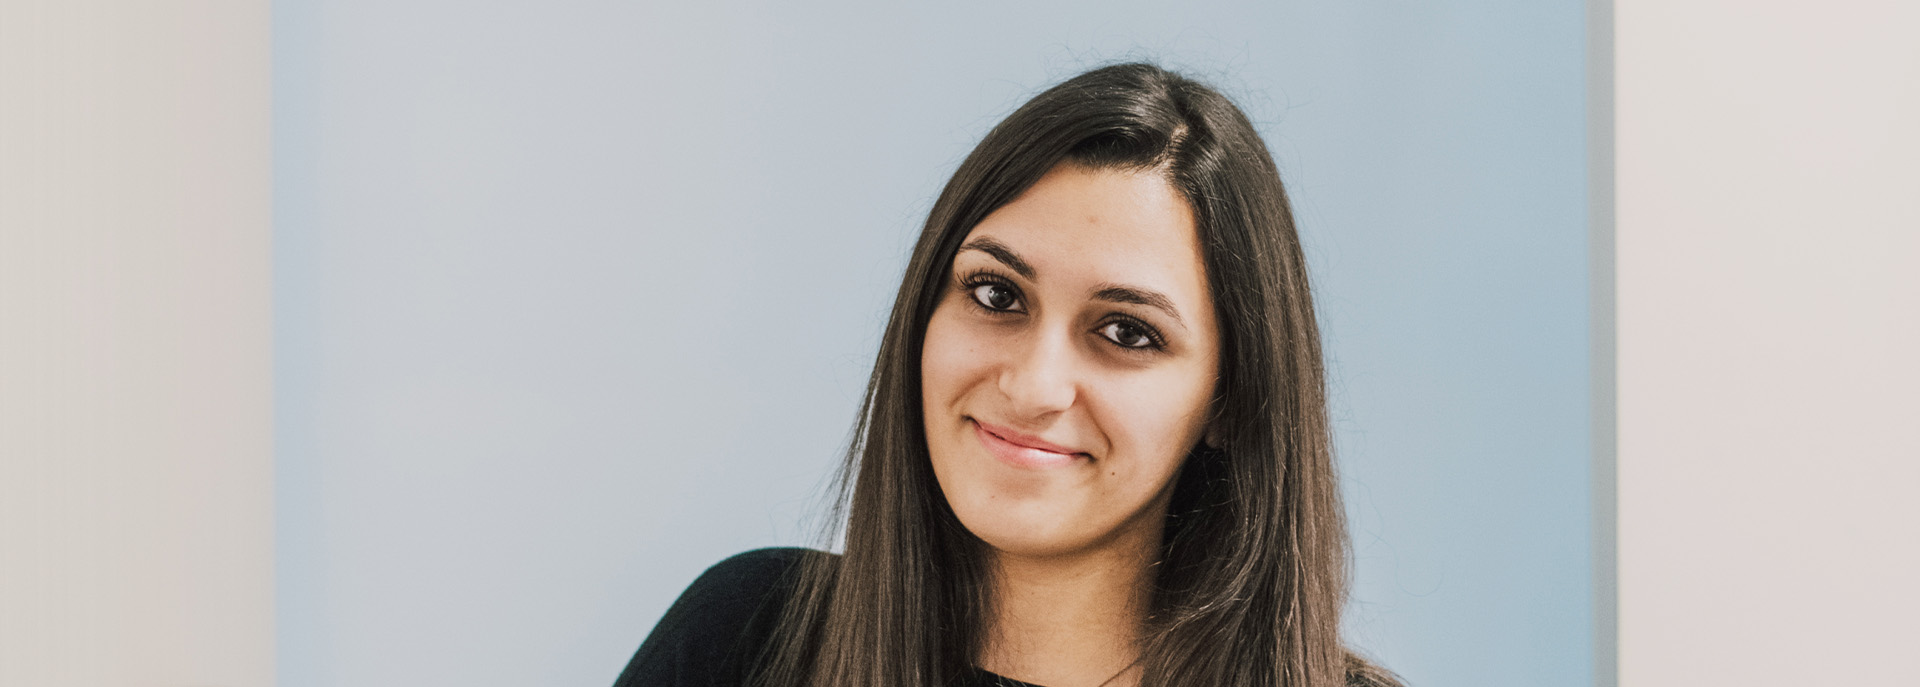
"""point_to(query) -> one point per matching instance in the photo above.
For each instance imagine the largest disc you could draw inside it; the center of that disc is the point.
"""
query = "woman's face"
(1069, 366)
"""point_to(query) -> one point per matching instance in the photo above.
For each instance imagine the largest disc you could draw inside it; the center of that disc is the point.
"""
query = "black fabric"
(714, 633)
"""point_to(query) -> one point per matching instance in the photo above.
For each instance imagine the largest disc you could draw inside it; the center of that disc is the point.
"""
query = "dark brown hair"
(1253, 569)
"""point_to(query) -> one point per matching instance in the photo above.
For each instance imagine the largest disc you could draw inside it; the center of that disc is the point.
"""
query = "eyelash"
(985, 277)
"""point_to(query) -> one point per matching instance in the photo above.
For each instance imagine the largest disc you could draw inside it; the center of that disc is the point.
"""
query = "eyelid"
(1156, 341)
(969, 281)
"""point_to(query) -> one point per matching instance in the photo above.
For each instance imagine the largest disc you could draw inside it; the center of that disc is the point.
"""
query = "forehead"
(1081, 224)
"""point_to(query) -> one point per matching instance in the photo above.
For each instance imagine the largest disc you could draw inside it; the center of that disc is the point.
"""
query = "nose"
(1040, 379)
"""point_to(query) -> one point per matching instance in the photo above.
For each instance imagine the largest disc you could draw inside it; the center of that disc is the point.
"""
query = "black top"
(713, 634)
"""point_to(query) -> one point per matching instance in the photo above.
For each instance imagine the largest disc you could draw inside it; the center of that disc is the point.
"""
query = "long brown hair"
(1253, 568)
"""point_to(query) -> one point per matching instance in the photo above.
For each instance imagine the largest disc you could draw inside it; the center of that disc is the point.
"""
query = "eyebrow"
(1112, 293)
(1115, 293)
(1001, 252)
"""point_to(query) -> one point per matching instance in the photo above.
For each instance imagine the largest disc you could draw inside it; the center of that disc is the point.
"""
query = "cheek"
(949, 360)
(951, 372)
(1157, 418)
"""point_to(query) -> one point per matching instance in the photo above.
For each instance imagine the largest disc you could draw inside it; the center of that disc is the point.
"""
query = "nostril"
(1038, 391)
(1039, 376)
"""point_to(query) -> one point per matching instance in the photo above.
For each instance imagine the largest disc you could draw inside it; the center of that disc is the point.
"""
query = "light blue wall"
(576, 298)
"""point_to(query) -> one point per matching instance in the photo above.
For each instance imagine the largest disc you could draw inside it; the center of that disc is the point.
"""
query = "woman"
(1094, 449)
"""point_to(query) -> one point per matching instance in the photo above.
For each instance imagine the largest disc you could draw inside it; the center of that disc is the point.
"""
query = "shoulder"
(750, 573)
(715, 630)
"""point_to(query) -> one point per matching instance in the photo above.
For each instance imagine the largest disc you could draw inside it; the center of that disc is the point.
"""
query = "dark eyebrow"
(1000, 252)
(1115, 293)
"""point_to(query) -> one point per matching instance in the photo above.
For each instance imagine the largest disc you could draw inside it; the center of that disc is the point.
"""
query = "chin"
(1027, 542)
(1024, 525)
(1042, 530)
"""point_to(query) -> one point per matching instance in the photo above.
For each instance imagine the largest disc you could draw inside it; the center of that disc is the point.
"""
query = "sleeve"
(713, 632)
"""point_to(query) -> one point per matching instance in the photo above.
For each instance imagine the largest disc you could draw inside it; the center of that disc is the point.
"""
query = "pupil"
(998, 297)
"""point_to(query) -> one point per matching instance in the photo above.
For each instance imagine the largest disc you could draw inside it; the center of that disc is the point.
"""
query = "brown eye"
(995, 297)
(1128, 335)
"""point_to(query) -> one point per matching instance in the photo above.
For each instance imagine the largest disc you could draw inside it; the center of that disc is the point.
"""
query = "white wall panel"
(1768, 323)
(135, 344)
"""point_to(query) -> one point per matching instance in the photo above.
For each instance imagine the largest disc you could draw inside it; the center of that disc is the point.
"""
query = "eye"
(1130, 334)
(996, 296)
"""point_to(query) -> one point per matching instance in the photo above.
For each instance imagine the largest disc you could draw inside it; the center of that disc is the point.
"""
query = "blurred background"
(574, 299)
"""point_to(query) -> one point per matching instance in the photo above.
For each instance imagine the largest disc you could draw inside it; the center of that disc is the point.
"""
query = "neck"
(1071, 620)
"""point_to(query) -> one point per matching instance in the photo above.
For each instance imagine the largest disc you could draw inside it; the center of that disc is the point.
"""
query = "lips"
(1024, 451)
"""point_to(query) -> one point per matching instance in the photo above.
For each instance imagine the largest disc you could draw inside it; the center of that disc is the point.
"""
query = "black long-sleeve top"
(714, 633)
